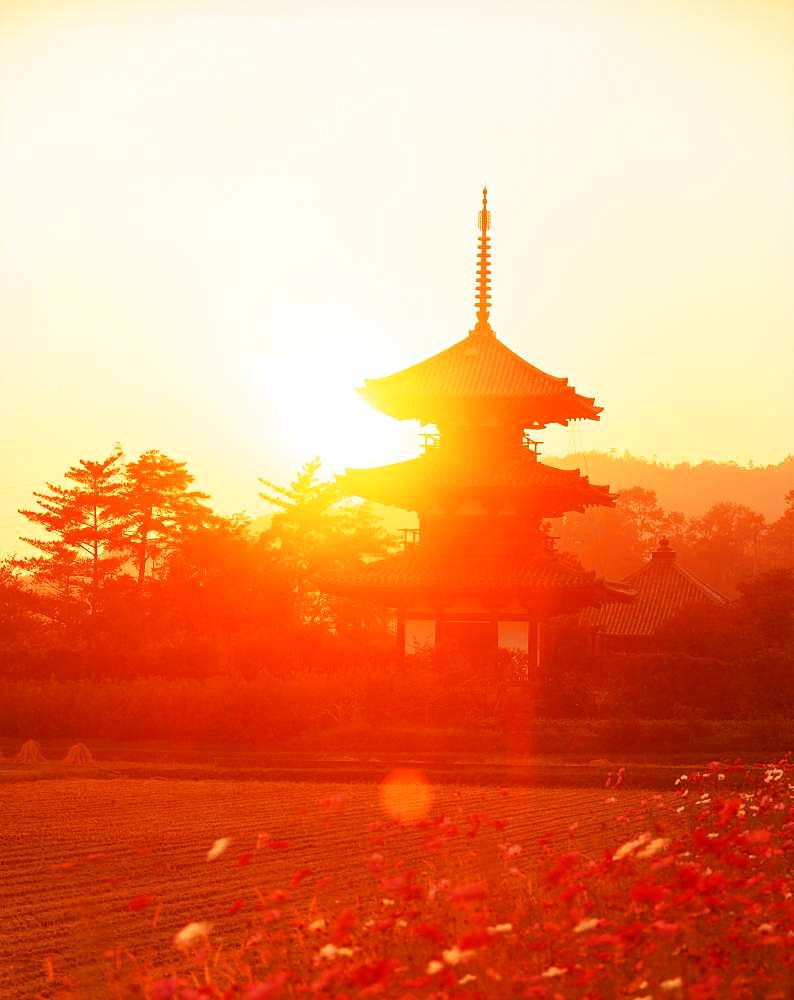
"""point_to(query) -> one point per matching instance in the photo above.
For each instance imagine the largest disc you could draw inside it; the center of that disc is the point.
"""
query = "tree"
(222, 577)
(766, 606)
(722, 545)
(779, 541)
(84, 524)
(614, 541)
(159, 507)
(316, 533)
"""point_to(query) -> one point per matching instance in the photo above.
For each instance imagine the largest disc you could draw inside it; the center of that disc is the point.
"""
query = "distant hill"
(691, 489)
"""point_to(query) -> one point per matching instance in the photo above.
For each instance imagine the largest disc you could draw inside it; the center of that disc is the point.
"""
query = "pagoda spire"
(483, 301)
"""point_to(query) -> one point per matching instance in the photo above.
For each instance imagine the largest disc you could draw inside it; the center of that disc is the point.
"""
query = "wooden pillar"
(533, 651)
(400, 632)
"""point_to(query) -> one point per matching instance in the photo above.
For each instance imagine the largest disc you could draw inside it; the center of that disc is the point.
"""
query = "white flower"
(553, 972)
(433, 967)
(500, 929)
(190, 932)
(218, 848)
(671, 984)
(720, 777)
(316, 925)
(630, 846)
(468, 978)
(656, 845)
(453, 955)
(330, 951)
(586, 925)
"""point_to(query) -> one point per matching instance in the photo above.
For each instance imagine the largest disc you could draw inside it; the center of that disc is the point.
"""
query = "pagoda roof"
(419, 570)
(516, 474)
(478, 368)
(663, 588)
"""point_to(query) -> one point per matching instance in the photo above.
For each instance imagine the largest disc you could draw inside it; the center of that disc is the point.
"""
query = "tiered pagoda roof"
(440, 477)
(529, 581)
(663, 587)
(478, 370)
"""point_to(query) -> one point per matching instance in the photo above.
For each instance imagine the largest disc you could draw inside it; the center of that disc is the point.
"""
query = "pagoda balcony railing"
(430, 441)
(530, 443)
(410, 536)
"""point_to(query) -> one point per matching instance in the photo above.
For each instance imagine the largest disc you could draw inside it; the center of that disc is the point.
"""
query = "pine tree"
(316, 534)
(84, 526)
(160, 507)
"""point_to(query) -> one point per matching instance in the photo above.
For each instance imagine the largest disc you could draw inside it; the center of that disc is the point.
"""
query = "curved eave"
(528, 411)
(417, 573)
(415, 483)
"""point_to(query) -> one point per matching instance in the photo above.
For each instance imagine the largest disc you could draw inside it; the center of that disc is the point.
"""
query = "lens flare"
(405, 795)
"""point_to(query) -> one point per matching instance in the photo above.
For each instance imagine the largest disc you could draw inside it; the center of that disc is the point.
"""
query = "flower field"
(247, 890)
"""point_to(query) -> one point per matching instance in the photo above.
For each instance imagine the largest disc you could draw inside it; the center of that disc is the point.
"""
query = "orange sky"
(219, 216)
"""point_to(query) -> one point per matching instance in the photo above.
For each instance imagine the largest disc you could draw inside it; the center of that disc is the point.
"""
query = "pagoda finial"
(484, 269)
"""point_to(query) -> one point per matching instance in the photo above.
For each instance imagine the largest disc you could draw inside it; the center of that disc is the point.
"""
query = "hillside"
(691, 489)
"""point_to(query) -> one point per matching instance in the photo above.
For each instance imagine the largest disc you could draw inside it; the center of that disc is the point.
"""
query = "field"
(342, 890)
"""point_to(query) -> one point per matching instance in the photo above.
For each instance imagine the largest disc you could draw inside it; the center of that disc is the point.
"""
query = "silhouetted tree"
(84, 526)
(315, 533)
(722, 545)
(779, 541)
(615, 541)
(766, 606)
(159, 507)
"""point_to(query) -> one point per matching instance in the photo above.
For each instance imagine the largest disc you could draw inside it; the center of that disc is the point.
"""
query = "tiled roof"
(478, 367)
(663, 589)
(439, 473)
(417, 568)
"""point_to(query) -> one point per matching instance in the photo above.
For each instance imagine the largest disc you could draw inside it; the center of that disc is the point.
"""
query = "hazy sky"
(219, 217)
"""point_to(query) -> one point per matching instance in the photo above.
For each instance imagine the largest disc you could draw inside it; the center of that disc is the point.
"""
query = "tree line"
(133, 571)
(727, 544)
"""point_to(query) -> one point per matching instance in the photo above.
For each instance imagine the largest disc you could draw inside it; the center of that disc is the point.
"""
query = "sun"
(305, 402)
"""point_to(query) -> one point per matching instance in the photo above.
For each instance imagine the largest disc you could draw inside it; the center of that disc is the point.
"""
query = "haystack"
(30, 753)
(79, 754)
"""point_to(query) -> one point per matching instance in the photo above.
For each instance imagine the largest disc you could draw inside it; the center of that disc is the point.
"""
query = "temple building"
(480, 570)
(664, 588)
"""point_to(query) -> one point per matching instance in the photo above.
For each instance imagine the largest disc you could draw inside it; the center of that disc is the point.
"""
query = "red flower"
(430, 932)
(474, 939)
(299, 876)
(475, 890)
(647, 892)
(140, 902)
(345, 923)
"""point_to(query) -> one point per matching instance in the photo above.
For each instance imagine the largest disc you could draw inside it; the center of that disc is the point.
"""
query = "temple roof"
(517, 475)
(663, 589)
(479, 367)
(416, 569)
(478, 370)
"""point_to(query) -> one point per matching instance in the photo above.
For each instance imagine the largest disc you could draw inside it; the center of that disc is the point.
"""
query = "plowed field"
(75, 854)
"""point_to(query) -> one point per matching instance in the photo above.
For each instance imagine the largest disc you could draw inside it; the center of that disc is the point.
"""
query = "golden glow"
(405, 795)
(219, 216)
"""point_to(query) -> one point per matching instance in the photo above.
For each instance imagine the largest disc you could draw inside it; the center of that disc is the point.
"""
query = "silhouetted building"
(664, 588)
(480, 570)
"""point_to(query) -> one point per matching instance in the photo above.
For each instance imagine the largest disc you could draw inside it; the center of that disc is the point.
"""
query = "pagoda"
(480, 570)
